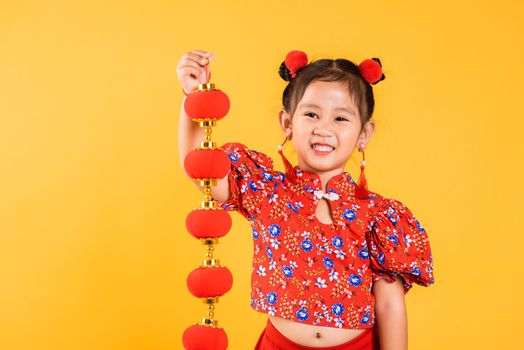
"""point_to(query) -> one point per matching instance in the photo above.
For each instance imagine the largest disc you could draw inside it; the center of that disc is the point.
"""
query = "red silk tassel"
(290, 169)
(361, 191)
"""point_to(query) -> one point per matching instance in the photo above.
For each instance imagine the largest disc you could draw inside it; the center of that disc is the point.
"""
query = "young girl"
(332, 260)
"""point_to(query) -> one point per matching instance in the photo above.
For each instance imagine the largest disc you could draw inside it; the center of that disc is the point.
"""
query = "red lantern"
(208, 223)
(199, 337)
(207, 104)
(209, 282)
(207, 163)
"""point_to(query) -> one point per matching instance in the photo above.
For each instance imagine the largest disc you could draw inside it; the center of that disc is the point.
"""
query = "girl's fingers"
(197, 58)
(193, 68)
(202, 53)
(188, 61)
(188, 70)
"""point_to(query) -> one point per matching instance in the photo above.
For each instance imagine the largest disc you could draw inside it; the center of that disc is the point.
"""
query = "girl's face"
(326, 127)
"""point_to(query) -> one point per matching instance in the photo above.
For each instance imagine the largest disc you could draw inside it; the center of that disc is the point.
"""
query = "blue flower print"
(419, 226)
(274, 230)
(253, 186)
(295, 207)
(255, 234)
(269, 252)
(302, 314)
(391, 217)
(267, 176)
(365, 318)
(288, 272)
(328, 263)
(234, 157)
(292, 207)
(272, 298)
(416, 272)
(363, 253)
(337, 309)
(381, 258)
(349, 215)
(337, 242)
(307, 245)
(393, 239)
(355, 280)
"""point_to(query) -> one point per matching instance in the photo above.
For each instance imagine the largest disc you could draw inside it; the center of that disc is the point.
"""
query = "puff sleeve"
(399, 245)
(248, 178)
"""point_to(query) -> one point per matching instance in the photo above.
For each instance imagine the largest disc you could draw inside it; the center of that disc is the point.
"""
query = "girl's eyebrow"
(312, 105)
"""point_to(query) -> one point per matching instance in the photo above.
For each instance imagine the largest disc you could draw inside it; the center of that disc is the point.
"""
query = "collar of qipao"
(331, 196)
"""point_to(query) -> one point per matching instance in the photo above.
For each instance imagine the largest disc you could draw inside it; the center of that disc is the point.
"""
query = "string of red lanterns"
(207, 164)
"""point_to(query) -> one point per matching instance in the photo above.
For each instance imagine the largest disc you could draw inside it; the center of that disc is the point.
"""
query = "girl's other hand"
(193, 69)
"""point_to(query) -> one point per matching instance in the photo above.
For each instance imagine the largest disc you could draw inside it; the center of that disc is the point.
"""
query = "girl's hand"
(193, 69)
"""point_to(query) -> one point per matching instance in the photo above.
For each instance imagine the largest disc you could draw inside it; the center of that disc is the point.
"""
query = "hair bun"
(371, 70)
(284, 72)
(295, 60)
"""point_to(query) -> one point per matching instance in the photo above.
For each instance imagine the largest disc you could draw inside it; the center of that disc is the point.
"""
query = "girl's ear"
(285, 122)
(367, 133)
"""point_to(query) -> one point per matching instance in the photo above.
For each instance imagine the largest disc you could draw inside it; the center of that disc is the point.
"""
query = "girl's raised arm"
(191, 72)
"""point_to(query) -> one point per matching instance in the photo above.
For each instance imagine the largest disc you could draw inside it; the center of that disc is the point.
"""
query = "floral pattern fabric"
(322, 274)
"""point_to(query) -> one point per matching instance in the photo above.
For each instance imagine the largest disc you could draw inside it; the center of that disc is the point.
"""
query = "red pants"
(272, 339)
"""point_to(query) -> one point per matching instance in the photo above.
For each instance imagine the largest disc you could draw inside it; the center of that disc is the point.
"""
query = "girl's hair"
(329, 70)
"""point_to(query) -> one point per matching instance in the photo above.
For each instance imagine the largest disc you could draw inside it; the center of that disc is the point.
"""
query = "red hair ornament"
(294, 61)
(371, 70)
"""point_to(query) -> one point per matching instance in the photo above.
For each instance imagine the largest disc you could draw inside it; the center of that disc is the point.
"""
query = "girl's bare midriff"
(314, 336)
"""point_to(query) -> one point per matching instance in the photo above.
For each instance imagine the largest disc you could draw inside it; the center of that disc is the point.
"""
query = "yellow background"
(93, 248)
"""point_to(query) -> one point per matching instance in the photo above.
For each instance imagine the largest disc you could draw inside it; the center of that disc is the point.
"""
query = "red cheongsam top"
(316, 273)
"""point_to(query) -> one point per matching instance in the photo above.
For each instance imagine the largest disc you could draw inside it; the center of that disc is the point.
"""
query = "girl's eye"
(342, 119)
(309, 113)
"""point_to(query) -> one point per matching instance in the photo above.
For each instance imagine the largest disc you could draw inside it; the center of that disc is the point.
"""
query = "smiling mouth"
(323, 149)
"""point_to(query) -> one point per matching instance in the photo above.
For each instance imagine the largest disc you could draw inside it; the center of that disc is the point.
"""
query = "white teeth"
(323, 148)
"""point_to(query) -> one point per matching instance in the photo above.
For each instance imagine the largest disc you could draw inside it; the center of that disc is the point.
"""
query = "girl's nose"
(322, 132)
